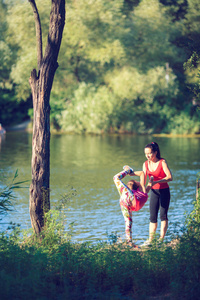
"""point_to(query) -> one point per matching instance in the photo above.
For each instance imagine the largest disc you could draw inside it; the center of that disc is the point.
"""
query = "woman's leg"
(153, 207)
(164, 206)
(163, 229)
(128, 222)
(152, 230)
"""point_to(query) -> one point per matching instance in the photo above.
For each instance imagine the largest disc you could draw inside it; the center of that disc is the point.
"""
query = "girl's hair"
(154, 147)
(132, 185)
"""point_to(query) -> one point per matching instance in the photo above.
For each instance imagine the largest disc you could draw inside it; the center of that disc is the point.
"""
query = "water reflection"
(88, 163)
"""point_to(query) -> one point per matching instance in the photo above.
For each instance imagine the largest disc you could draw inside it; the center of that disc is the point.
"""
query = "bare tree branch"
(38, 33)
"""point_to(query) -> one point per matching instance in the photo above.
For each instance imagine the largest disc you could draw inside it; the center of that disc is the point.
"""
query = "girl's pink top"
(132, 200)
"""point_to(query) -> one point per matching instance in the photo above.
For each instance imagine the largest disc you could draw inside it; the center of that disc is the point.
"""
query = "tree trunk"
(41, 85)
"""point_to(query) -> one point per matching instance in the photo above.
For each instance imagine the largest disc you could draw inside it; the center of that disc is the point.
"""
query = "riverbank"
(19, 127)
(177, 135)
(27, 126)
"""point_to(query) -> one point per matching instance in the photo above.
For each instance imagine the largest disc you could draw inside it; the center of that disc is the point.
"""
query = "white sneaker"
(146, 244)
(130, 171)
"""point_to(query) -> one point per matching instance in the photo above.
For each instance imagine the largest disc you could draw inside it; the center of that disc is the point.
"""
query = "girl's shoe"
(135, 246)
(130, 171)
(132, 245)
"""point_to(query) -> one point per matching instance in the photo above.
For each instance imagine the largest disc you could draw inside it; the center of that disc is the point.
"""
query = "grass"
(56, 268)
(53, 267)
(7, 197)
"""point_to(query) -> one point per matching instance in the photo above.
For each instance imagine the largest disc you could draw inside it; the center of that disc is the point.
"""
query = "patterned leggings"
(127, 213)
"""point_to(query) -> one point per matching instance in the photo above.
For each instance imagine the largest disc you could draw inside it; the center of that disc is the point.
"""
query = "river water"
(88, 164)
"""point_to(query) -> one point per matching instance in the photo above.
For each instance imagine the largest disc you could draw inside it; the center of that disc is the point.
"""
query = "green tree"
(9, 104)
(130, 56)
(192, 40)
(177, 9)
(131, 52)
(7, 53)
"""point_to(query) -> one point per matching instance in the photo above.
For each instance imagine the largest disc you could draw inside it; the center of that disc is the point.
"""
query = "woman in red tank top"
(160, 194)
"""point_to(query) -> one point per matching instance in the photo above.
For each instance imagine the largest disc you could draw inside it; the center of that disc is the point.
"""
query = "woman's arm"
(137, 173)
(142, 179)
(149, 185)
(145, 175)
(167, 173)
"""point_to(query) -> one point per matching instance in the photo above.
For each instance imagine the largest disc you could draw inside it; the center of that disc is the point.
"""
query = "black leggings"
(159, 199)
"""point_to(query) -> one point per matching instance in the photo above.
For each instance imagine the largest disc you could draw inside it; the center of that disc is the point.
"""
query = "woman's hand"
(150, 184)
(151, 180)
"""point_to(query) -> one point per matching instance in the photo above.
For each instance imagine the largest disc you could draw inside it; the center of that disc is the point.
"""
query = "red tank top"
(158, 174)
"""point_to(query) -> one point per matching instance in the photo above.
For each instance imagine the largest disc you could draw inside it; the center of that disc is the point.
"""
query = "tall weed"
(53, 267)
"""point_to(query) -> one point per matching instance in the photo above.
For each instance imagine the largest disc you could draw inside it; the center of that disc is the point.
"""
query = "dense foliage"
(129, 65)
